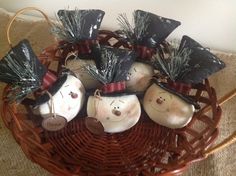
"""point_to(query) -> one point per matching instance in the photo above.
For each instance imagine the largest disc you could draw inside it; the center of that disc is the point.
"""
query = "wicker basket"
(146, 149)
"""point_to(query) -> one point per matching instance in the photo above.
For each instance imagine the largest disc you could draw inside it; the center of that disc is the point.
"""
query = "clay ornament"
(139, 77)
(23, 71)
(145, 35)
(116, 109)
(116, 113)
(167, 102)
(167, 109)
(62, 103)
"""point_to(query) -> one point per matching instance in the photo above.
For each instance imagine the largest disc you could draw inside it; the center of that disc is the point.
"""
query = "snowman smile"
(117, 118)
(159, 109)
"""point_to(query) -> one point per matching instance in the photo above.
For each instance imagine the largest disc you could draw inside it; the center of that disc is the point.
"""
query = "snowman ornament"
(113, 107)
(149, 31)
(78, 32)
(65, 95)
(61, 103)
(166, 108)
(167, 102)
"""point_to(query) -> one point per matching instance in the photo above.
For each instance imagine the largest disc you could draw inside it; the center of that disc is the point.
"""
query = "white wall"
(211, 22)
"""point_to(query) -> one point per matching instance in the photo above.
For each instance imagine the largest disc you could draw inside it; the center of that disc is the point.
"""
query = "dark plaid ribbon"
(83, 47)
(48, 79)
(114, 87)
(180, 87)
(144, 52)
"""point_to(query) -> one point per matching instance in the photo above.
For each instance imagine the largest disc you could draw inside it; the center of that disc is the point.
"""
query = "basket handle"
(17, 14)
(232, 138)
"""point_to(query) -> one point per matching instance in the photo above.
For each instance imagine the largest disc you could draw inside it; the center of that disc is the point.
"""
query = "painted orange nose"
(116, 112)
(159, 101)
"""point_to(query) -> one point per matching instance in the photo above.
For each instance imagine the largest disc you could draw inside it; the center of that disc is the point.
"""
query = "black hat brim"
(52, 90)
(182, 96)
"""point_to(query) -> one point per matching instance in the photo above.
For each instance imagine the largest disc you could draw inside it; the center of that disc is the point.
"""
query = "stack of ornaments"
(114, 86)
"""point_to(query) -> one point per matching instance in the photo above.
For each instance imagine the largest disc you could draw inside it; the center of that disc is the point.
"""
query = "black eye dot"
(118, 107)
(164, 99)
(114, 107)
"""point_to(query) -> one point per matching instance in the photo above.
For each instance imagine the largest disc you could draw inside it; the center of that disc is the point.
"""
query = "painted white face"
(139, 76)
(116, 114)
(166, 108)
(67, 101)
(77, 67)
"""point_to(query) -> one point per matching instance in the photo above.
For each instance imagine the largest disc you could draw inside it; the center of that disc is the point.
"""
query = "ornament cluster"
(116, 86)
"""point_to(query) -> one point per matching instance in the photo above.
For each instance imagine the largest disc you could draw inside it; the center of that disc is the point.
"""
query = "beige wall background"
(211, 22)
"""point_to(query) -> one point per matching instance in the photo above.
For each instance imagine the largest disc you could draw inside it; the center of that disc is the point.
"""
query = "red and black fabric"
(144, 52)
(48, 80)
(179, 87)
(112, 66)
(82, 47)
(114, 87)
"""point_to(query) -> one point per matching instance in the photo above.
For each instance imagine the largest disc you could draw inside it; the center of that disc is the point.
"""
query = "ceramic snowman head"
(115, 109)
(78, 32)
(166, 108)
(149, 31)
(168, 103)
(63, 102)
(116, 113)
(139, 76)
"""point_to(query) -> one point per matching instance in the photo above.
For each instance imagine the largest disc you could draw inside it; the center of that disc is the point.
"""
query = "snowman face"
(77, 67)
(139, 76)
(166, 108)
(116, 114)
(67, 101)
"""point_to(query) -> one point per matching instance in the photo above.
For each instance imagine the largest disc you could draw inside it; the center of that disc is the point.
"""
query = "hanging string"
(52, 107)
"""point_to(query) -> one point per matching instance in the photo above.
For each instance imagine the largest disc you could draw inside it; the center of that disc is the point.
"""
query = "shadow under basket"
(147, 149)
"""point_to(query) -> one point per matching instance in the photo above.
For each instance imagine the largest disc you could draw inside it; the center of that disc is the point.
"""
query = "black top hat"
(189, 64)
(202, 62)
(149, 30)
(78, 25)
(112, 66)
(78, 30)
(22, 69)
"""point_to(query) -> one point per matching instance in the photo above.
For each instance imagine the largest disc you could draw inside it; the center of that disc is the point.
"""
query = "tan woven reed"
(146, 149)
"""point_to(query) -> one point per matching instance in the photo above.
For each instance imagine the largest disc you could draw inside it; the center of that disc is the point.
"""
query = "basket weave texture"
(146, 149)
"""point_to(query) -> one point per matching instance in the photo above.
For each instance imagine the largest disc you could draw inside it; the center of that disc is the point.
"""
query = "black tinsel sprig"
(176, 65)
(147, 29)
(22, 70)
(76, 25)
(112, 64)
(134, 31)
